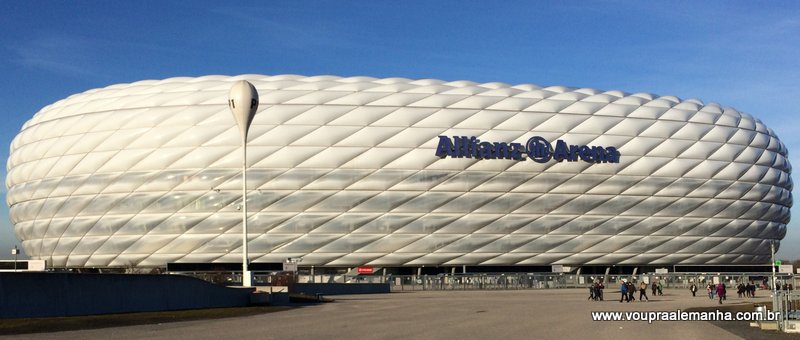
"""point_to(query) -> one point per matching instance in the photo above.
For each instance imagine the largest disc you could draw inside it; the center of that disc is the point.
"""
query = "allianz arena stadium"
(395, 173)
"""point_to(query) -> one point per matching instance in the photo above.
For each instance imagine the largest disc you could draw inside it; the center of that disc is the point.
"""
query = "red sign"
(366, 270)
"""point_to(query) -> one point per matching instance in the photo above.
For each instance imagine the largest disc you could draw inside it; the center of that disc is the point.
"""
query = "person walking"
(660, 288)
(600, 288)
(631, 291)
(623, 289)
(721, 292)
(693, 289)
(643, 292)
(653, 288)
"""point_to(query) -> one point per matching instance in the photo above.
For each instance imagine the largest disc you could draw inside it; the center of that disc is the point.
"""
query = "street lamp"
(772, 265)
(15, 252)
(243, 102)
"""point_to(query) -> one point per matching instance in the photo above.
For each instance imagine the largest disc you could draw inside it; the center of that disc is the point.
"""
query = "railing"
(479, 282)
(512, 281)
(787, 304)
(497, 281)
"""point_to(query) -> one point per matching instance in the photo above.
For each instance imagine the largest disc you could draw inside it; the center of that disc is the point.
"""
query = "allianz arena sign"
(537, 148)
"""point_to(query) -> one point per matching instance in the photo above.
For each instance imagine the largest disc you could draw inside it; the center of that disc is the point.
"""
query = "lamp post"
(15, 252)
(243, 103)
(772, 253)
(776, 302)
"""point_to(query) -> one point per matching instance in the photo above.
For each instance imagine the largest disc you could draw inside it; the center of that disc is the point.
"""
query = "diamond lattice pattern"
(343, 172)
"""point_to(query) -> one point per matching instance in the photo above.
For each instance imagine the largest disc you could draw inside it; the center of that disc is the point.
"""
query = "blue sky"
(743, 54)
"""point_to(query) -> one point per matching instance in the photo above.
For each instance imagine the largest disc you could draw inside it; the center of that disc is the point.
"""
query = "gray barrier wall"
(67, 294)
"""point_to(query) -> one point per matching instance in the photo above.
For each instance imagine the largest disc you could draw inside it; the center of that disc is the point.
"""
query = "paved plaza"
(520, 314)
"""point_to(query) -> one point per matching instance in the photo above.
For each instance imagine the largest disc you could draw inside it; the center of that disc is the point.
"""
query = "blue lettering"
(487, 150)
(516, 151)
(537, 148)
(573, 153)
(599, 154)
(473, 146)
(445, 147)
(464, 150)
(561, 152)
(613, 154)
(501, 150)
(586, 154)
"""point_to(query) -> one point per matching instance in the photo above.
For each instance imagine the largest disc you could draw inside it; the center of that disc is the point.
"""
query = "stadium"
(395, 173)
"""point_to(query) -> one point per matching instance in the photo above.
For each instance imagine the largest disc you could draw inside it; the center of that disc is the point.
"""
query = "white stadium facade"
(395, 172)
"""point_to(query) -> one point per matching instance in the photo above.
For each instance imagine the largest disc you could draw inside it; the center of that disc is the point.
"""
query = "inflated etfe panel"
(395, 172)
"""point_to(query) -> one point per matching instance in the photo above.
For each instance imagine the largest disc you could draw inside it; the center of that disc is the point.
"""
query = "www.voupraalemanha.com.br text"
(680, 315)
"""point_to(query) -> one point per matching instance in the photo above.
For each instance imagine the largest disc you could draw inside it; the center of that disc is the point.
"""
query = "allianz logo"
(537, 148)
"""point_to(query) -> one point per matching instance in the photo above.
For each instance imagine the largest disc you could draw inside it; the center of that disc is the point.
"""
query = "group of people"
(746, 290)
(628, 289)
(657, 287)
(596, 291)
(719, 290)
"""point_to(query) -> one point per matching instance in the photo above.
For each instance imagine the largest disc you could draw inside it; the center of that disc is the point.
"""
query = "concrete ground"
(524, 314)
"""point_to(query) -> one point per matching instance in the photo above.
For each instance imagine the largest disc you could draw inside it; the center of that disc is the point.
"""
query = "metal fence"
(561, 280)
(787, 304)
(498, 281)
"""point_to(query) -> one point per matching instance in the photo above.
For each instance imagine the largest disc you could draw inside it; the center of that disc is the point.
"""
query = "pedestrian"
(591, 293)
(623, 289)
(631, 291)
(693, 289)
(653, 288)
(600, 288)
(721, 292)
(710, 291)
(643, 292)
(660, 288)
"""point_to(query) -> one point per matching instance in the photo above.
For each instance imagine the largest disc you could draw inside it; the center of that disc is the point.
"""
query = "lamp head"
(243, 102)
